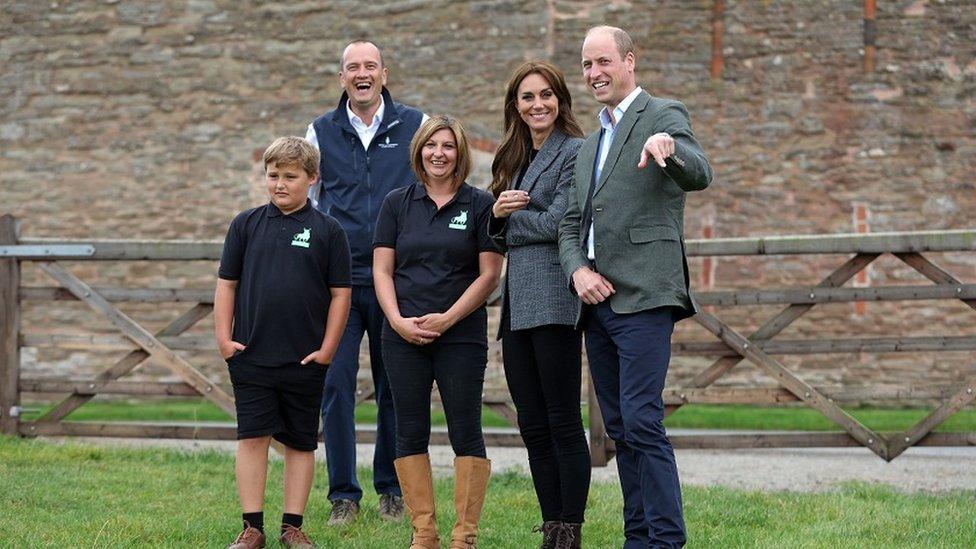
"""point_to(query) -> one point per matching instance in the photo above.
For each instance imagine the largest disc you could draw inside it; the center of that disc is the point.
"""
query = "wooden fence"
(730, 346)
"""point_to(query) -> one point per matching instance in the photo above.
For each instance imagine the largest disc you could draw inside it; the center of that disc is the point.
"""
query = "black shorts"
(282, 401)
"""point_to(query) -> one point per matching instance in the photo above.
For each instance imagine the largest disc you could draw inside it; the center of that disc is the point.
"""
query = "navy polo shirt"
(436, 254)
(284, 265)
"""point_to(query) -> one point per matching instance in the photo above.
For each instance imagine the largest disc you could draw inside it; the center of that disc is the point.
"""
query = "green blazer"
(638, 214)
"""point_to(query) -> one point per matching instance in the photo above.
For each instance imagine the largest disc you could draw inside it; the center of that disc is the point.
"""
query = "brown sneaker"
(249, 538)
(294, 537)
(344, 511)
(391, 507)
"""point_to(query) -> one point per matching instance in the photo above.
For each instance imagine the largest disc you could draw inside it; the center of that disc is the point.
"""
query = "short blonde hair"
(433, 125)
(292, 150)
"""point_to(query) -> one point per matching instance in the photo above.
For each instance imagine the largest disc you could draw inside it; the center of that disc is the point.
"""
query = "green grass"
(199, 409)
(171, 409)
(691, 416)
(74, 495)
(805, 419)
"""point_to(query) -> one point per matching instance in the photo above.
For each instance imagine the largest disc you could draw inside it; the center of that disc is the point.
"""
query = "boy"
(284, 288)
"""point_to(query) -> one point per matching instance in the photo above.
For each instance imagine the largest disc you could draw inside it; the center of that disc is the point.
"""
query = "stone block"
(794, 129)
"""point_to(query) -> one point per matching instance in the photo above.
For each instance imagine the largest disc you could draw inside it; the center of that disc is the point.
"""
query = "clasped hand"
(420, 330)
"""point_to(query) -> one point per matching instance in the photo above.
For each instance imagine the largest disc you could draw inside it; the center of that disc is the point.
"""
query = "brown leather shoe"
(249, 538)
(294, 537)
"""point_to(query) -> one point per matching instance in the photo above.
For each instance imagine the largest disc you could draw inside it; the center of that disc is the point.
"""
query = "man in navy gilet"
(365, 150)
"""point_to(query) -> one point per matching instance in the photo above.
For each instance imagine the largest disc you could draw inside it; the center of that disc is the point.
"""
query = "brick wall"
(139, 119)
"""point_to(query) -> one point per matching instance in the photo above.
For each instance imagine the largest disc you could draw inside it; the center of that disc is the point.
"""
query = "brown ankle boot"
(550, 532)
(417, 485)
(570, 536)
(470, 483)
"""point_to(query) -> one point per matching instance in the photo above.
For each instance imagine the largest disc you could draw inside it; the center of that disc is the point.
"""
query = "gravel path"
(918, 469)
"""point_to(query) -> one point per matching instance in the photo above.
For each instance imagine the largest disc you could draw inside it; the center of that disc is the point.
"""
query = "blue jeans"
(629, 355)
(339, 403)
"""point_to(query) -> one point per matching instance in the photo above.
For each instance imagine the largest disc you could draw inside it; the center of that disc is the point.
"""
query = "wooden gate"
(758, 347)
(730, 346)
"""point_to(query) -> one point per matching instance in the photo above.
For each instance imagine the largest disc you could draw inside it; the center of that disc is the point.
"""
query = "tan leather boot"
(417, 485)
(471, 481)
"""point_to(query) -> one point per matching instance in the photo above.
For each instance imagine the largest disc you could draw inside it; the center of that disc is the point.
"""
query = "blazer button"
(598, 209)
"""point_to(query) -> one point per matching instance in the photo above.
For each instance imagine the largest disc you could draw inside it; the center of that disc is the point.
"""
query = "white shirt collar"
(619, 110)
(358, 122)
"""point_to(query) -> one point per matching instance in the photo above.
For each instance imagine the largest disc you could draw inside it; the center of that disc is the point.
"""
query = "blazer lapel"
(620, 136)
(584, 166)
(545, 157)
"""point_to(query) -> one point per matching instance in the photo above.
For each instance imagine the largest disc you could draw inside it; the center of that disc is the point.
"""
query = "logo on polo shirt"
(301, 239)
(460, 221)
(387, 145)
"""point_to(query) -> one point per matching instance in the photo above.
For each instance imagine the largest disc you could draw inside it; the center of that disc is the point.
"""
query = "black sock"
(291, 520)
(256, 520)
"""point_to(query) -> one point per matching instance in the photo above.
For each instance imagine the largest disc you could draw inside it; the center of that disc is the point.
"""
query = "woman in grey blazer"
(531, 176)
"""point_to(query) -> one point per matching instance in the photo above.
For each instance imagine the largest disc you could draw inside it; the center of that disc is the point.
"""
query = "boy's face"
(288, 186)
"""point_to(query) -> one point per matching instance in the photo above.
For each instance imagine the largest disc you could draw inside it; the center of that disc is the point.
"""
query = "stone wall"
(143, 119)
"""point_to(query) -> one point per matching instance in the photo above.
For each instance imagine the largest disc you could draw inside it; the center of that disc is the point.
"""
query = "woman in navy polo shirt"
(434, 266)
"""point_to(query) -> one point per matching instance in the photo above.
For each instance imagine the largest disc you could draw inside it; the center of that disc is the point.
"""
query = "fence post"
(599, 456)
(9, 331)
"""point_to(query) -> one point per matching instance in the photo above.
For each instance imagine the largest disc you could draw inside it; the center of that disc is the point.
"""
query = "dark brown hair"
(513, 153)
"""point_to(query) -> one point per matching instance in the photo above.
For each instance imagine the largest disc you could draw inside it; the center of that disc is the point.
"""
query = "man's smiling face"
(608, 75)
(362, 75)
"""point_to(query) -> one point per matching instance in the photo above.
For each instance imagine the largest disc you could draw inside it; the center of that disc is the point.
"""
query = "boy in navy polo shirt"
(283, 294)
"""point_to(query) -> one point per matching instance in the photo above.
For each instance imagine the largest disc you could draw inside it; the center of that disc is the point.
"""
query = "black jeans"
(542, 367)
(459, 369)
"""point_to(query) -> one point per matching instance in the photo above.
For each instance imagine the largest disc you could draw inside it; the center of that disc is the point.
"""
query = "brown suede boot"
(471, 481)
(417, 485)
(570, 536)
(550, 533)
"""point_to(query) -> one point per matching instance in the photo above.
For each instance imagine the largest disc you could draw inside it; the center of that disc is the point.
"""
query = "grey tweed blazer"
(536, 291)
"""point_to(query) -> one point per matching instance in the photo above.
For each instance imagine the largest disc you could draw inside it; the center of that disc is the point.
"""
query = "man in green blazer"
(621, 245)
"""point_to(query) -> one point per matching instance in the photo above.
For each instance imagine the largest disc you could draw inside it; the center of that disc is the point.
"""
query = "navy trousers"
(339, 403)
(628, 356)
